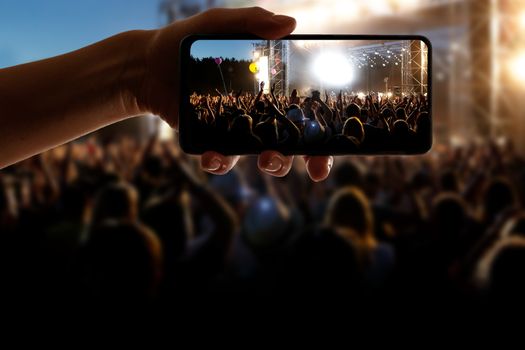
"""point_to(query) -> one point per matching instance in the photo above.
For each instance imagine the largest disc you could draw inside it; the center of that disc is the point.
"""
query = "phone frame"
(184, 94)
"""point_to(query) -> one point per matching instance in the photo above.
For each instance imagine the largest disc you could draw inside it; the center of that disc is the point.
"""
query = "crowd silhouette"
(343, 123)
(139, 222)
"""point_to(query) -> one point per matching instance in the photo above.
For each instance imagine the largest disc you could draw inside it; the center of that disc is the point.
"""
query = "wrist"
(136, 45)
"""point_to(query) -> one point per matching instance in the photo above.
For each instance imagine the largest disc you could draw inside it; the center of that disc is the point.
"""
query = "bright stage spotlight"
(333, 69)
(522, 19)
(517, 67)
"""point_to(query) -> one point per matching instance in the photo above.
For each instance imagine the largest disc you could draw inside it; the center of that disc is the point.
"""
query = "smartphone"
(306, 94)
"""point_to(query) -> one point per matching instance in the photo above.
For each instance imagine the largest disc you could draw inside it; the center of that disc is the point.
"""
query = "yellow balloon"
(254, 68)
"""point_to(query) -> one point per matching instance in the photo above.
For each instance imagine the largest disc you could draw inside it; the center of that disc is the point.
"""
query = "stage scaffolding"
(278, 54)
(414, 67)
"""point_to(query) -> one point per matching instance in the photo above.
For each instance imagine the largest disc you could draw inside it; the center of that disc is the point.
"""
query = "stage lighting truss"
(278, 55)
(410, 57)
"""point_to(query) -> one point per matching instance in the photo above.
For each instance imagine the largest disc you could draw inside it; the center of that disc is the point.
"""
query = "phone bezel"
(184, 94)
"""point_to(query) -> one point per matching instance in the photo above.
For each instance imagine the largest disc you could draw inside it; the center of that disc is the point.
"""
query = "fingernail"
(330, 162)
(283, 20)
(275, 164)
(214, 164)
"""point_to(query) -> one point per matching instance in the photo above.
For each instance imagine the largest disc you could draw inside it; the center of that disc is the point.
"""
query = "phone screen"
(306, 94)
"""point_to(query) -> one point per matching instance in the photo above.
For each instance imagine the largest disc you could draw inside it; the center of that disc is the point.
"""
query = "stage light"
(522, 19)
(389, 94)
(165, 131)
(333, 69)
(264, 72)
(517, 67)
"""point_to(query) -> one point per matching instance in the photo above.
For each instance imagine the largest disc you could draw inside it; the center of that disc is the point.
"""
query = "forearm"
(49, 102)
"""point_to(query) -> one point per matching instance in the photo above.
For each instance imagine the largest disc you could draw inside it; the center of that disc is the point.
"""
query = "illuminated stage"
(391, 67)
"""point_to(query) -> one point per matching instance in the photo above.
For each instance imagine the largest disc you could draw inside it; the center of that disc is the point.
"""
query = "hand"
(159, 91)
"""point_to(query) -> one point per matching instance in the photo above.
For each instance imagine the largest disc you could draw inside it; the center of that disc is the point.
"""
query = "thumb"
(252, 20)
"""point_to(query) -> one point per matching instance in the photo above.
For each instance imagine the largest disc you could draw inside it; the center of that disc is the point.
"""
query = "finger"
(318, 167)
(274, 163)
(254, 20)
(216, 163)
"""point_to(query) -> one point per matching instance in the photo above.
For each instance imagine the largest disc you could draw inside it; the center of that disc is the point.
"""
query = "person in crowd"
(320, 123)
(349, 213)
(404, 224)
(497, 273)
(141, 221)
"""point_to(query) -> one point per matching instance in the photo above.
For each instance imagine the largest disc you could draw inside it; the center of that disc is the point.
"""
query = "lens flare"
(517, 67)
(333, 69)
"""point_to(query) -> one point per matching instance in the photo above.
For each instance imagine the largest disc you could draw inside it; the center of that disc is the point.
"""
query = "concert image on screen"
(351, 96)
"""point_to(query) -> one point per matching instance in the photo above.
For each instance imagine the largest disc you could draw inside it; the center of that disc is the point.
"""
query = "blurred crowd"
(126, 221)
(342, 123)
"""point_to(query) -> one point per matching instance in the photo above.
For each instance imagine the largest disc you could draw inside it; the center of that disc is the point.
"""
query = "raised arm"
(328, 115)
(293, 131)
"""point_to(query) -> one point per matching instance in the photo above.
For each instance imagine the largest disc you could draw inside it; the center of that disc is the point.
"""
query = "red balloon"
(218, 60)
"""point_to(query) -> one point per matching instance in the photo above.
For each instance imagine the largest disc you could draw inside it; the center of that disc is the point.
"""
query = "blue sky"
(36, 29)
(239, 49)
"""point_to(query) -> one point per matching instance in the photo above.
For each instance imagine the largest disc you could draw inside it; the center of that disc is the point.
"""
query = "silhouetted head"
(115, 201)
(164, 214)
(388, 114)
(74, 199)
(347, 174)
(448, 216)
(400, 129)
(260, 107)
(153, 166)
(267, 132)
(241, 125)
(499, 195)
(401, 114)
(121, 261)
(500, 271)
(449, 181)
(349, 208)
(353, 110)
(354, 127)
